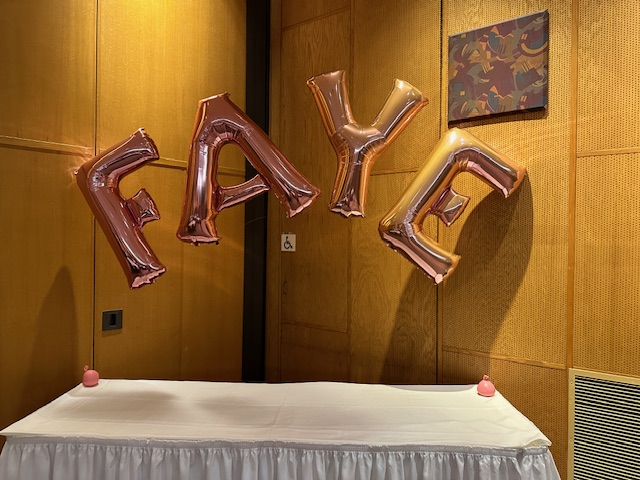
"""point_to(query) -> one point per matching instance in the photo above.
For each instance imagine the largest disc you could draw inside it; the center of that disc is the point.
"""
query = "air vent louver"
(606, 427)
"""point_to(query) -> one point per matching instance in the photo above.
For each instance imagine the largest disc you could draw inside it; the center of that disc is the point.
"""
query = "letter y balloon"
(358, 146)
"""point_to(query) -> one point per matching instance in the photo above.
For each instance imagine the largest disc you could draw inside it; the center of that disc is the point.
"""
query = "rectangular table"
(152, 429)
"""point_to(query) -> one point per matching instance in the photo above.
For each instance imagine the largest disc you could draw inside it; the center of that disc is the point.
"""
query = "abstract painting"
(499, 68)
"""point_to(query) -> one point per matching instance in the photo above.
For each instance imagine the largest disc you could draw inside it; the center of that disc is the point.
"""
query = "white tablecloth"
(137, 429)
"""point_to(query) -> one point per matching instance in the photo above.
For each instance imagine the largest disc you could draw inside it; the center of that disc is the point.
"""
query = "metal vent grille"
(605, 427)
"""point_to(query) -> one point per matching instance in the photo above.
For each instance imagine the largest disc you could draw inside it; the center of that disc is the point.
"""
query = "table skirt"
(67, 459)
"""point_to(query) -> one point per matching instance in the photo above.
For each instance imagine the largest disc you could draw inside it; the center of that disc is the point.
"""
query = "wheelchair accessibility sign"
(288, 242)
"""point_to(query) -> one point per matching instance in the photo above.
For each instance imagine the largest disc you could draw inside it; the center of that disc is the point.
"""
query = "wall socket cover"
(111, 320)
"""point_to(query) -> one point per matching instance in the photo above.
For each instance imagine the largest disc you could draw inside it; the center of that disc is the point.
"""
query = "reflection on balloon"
(122, 219)
(430, 193)
(219, 122)
(358, 146)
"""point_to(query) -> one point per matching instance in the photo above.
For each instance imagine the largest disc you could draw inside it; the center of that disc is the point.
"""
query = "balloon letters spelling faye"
(358, 146)
(218, 122)
(430, 193)
(122, 219)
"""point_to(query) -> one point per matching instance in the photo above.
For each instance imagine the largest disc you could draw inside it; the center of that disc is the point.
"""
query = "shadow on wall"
(495, 245)
(411, 354)
(52, 367)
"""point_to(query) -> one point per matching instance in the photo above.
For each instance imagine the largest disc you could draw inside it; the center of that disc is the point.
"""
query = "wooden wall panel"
(148, 346)
(317, 271)
(393, 319)
(608, 88)
(539, 393)
(47, 86)
(508, 296)
(312, 354)
(187, 325)
(158, 59)
(45, 284)
(273, 282)
(212, 284)
(295, 11)
(149, 67)
(314, 277)
(513, 270)
(505, 277)
(397, 39)
(516, 307)
(607, 306)
(47, 91)
(155, 62)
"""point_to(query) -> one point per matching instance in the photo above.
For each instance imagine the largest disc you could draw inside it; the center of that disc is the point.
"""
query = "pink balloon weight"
(486, 388)
(90, 378)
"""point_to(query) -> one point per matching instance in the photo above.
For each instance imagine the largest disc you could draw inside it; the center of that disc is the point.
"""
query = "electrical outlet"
(112, 320)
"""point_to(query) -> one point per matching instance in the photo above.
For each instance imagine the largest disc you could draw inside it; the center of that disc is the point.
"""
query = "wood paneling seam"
(444, 104)
(613, 151)
(171, 163)
(278, 104)
(393, 171)
(352, 10)
(94, 294)
(315, 326)
(573, 148)
(182, 165)
(313, 19)
(44, 146)
(505, 358)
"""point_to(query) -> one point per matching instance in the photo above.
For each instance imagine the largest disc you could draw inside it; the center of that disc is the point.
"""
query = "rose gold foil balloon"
(430, 193)
(219, 122)
(122, 219)
(358, 146)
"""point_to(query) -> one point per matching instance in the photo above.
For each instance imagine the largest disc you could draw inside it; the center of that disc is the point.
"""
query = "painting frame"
(499, 68)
